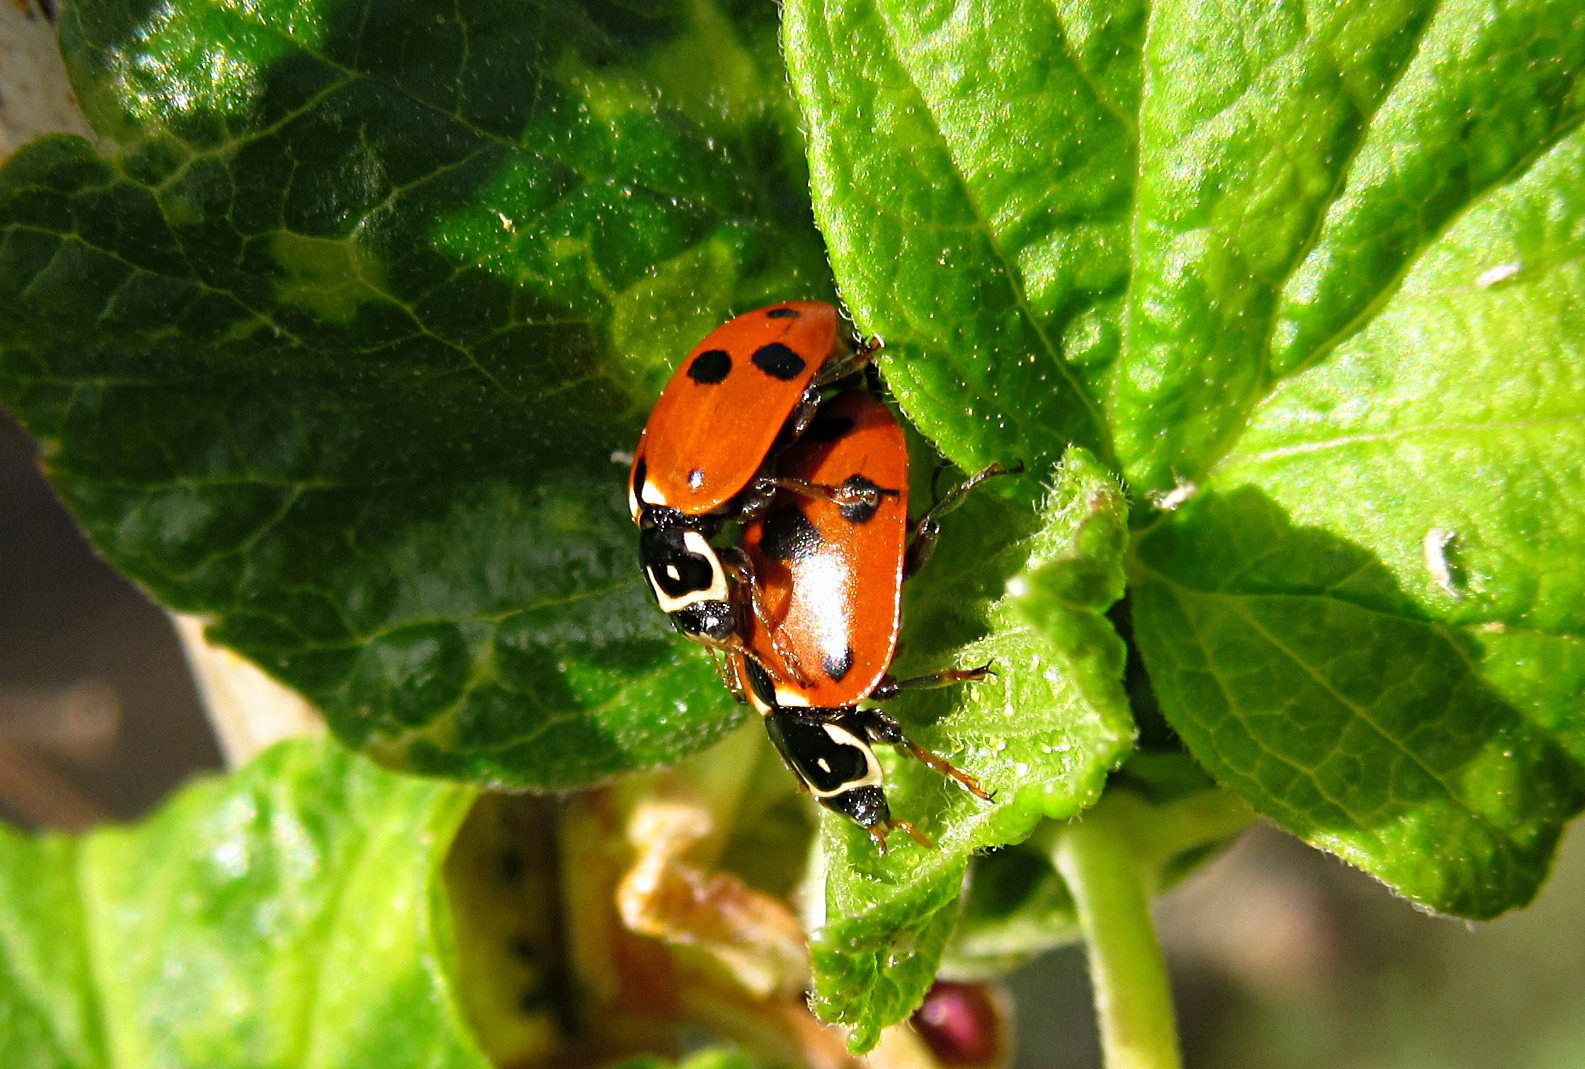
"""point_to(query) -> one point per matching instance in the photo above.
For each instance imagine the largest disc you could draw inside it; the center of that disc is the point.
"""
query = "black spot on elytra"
(524, 950)
(789, 535)
(511, 866)
(783, 313)
(863, 511)
(829, 428)
(778, 361)
(710, 366)
(838, 668)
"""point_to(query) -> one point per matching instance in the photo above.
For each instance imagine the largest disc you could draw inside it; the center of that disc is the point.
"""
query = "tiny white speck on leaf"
(1433, 547)
(1501, 273)
(1167, 500)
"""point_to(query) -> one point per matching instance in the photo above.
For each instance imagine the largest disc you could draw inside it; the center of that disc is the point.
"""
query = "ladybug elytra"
(706, 456)
(828, 577)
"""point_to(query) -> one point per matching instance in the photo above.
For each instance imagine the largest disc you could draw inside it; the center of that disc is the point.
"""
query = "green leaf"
(985, 240)
(1299, 674)
(1447, 438)
(1439, 450)
(1340, 304)
(1015, 908)
(1042, 733)
(334, 336)
(286, 916)
(1292, 163)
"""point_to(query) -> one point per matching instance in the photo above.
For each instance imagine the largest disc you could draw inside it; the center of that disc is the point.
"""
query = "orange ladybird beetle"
(707, 455)
(829, 575)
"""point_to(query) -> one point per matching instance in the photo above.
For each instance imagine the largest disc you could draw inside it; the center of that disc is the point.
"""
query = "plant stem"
(1133, 1001)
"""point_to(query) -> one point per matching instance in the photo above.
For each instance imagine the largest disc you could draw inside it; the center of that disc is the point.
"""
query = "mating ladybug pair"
(807, 606)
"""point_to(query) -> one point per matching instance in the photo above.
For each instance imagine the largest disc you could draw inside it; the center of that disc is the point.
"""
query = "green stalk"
(1133, 1001)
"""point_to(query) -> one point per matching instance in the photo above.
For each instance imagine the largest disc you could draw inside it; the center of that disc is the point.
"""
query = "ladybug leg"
(846, 361)
(882, 728)
(727, 677)
(741, 569)
(879, 832)
(928, 529)
(836, 368)
(889, 687)
(857, 497)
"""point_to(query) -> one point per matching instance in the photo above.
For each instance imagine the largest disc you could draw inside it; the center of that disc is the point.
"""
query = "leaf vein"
(1429, 429)
(1391, 285)
(1238, 607)
(983, 227)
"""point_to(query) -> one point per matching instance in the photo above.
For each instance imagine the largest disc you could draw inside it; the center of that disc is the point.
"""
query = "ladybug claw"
(878, 836)
(915, 834)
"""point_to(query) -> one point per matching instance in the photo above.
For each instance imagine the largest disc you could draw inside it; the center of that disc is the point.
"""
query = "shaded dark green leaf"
(334, 336)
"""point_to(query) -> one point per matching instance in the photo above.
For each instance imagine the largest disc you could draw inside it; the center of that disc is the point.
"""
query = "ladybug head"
(713, 623)
(864, 806)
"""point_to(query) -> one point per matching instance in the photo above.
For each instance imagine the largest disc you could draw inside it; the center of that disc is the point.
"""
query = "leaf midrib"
(1388, 288)
(1014, 278)
(1233, 459)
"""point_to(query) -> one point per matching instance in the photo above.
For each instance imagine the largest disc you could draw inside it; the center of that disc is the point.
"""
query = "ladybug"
(828, 574)
(706, 457)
